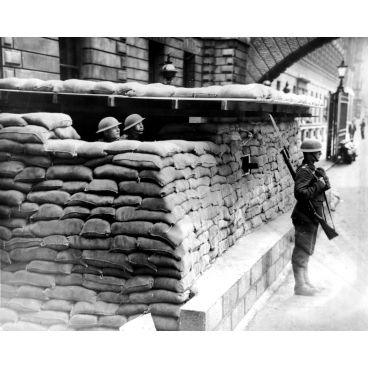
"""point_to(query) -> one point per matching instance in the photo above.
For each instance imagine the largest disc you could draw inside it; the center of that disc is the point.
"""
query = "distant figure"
(133, 127)
(352, 129)
(110, 128)
(362, 126)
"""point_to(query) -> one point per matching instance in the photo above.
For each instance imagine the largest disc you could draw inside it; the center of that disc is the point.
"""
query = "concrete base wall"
(229, 289)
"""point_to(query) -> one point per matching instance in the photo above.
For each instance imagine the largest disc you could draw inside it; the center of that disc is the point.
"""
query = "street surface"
(340, 266)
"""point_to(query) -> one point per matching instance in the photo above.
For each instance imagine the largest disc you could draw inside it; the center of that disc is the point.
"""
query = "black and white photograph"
(206, 183)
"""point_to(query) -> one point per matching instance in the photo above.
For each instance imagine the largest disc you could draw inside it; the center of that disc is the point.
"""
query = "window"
(69, 56)
(156, 59)
(189, 69)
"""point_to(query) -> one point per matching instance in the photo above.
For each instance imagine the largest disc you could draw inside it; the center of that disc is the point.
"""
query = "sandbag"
(95, 228)
(113, 322)
(79, 242)
(25, 304)
(208, 92)
(66, 227)
(32, 160)
(83, 321)
(5, 233)
(122, 146)
(92, 149)
(165, 309)
(24, 232)
(74, 279)
(31, 175)
(50, 267)
(56, 197)
(66, 133)
(9, 184)
(132, 309)
(165, 323)
(12, 147)
(146, 189)
(50, 86)
(8, 315)
(5, 257)
(104, 88)
(35, 149)
(116, 272)
(138, 228)
(127, 200)
(97, 308)
(115, 172)
(66, 148)
(15, 243)
(104, 213)
(162, 177)
(111, 297)
(85, 269)
(89, 200)
(57, 305)
(165, 204)
(13, 223)
(23, 326)
(99, 258)
(28, 291)
(141, 259)
(159, 296)
(151, 90)
(105, 283)
(12, 83)
(30, 84)
(73, 187)
(46, 317)
(249, 91)
(161, 247)
(123, 88)
(34, 253)
(9, 169)
(139, 284)
(127, 213)
(75, 212)
(4, 211)
(178, 286)
(48, 120)
(142, 161)
(77, 86)
(100, 161)
(56, 242)
(103, 186)
(47, 212)
(73, 173)
(27, 134)
(70, 256)
(47, 185)
(124, 244)
(14, 267)
(8, 291)
(72, 293)
(57, 161)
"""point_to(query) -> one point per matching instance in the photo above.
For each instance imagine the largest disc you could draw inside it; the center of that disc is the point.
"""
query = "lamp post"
(342, 69)
(338, 116)
(168, 70)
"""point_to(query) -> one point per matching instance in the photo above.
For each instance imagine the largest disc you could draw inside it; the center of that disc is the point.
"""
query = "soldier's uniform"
(306, 189)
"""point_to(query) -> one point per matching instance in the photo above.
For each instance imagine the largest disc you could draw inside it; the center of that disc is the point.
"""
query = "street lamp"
(168, 70)
(342, 69)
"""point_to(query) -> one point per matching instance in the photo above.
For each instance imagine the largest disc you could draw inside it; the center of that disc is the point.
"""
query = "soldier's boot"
(308, 281)
(300, 286)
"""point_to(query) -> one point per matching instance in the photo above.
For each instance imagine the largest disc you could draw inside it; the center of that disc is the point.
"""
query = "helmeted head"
(110, 128)
(133, 126)
(312, 147)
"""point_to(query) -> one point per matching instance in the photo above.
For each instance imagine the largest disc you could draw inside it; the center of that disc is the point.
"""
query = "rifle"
(329, 231)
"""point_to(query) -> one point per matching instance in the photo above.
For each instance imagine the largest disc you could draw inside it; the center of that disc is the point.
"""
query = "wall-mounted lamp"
(168, 70)
(342, 69)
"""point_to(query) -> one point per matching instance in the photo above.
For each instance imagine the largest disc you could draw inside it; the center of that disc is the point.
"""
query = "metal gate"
(337, 121)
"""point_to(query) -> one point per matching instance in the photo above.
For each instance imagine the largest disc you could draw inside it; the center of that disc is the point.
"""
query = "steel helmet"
(311, 145)
(132, 120)
(107, 123)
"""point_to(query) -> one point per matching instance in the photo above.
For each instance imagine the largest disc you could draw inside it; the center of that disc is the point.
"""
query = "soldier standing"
(307, 189)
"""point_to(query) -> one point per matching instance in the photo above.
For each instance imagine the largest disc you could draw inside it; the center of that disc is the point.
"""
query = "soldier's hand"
(123, 137)
(322, 181)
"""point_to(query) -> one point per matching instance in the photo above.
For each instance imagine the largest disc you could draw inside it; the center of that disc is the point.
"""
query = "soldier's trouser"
(305, 241)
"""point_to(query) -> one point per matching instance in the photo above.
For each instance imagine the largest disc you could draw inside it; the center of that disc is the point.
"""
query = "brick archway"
(270, 56)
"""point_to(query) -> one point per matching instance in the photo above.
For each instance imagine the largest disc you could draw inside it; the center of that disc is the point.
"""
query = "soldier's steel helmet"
(132, 120)
(311, 145)
(107, 123)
